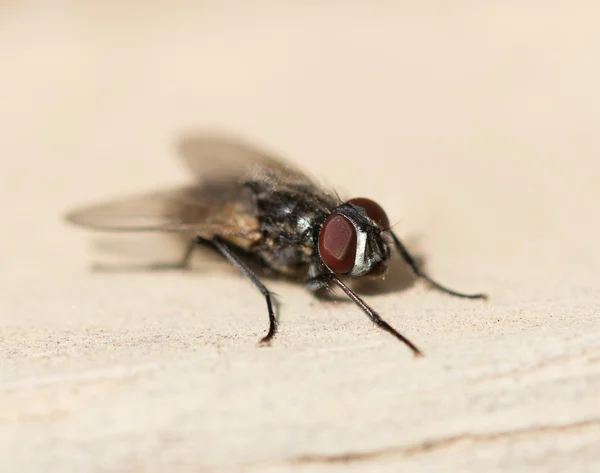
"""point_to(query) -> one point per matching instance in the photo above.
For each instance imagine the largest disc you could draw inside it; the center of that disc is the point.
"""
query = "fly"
(247, 204)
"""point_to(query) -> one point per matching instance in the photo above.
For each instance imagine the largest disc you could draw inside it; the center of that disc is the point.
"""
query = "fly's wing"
(207, 210)
(216, 205)
(210, 155)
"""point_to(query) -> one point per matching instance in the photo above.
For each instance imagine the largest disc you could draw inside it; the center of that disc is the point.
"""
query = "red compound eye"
(374, 211)
(337, 244)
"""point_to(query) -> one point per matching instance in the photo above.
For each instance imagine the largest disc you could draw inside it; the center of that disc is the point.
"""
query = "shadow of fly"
(245, 203)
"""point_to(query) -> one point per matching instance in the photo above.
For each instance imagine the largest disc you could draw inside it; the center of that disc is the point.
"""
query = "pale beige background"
(477, 127)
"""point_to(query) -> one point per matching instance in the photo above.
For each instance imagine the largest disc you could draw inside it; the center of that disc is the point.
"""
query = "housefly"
(248, 205)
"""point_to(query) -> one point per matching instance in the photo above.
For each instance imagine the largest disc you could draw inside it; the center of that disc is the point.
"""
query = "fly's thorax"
(289, 221)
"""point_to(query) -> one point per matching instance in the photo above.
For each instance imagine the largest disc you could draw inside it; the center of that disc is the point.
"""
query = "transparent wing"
(216, 209)
(214, 156)
(216, 205)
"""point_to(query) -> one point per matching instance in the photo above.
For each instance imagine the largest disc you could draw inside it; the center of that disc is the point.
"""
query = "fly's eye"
(337, 244)
(373, 210)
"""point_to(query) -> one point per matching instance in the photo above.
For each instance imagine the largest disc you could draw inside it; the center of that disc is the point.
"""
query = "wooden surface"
(476, 127)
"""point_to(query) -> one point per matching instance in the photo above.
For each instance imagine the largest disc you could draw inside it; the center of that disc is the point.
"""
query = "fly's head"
(354, 239)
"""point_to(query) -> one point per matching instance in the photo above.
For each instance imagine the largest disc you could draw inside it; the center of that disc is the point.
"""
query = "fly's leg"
(185, 261)
(417, 272)
(224, 249)
(327, 278)
(181, 264)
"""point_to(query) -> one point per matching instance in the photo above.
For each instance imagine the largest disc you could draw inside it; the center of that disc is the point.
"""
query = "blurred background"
(474, 121)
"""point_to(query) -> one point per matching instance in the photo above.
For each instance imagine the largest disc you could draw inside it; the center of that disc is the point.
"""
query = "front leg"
(324, 280)
(406, 256)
